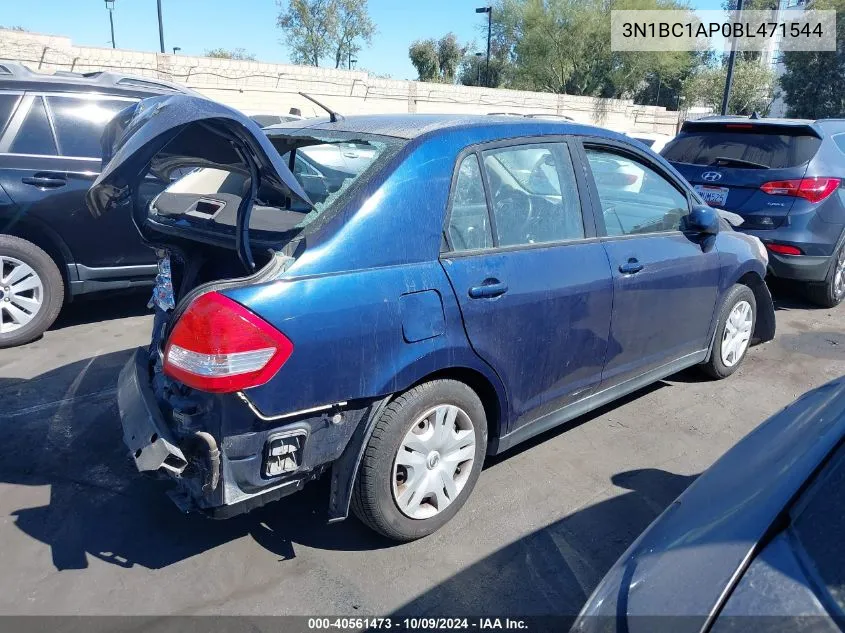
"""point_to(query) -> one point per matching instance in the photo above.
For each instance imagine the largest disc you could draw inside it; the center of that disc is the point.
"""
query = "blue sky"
(198, 25)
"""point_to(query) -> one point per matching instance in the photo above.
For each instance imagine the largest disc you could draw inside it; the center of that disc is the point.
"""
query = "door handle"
(488, 290)
(630, 267)
(45, 181)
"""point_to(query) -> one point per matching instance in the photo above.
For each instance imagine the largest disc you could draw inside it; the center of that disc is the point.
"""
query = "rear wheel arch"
(47, 240)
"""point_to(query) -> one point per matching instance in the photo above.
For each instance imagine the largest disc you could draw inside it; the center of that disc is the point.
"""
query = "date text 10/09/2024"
(416, 624)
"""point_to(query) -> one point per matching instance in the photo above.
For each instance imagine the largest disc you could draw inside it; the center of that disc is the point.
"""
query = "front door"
(665, 281)
(532, 280)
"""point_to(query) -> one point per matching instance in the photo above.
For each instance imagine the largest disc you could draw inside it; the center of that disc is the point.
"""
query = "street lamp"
(489, 12)
(110, 7)
(478, 69)
(160, 27)
(352, 63)
(176, 48)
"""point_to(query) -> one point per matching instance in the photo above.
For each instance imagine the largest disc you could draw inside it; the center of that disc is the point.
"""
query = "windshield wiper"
(724, 161)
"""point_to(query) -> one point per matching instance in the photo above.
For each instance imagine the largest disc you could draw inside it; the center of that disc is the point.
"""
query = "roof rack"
(13, 70)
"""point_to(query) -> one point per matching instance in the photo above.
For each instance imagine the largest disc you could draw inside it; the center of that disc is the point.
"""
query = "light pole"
(175, 49)
(160, 27)
(110, 7)
(489, 12)
(726, 97)
(478, 69)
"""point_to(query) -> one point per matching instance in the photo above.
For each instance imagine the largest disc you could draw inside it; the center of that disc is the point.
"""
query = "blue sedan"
(476, 281)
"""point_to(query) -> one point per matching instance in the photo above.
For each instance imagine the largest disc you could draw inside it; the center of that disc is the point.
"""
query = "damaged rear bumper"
(207, 480)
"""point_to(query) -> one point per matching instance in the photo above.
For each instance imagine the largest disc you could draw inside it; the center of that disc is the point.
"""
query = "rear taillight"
(812, 189)
(220, 346)
(784, 249)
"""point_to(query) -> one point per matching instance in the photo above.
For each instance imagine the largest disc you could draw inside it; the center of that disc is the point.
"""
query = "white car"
(655, 140)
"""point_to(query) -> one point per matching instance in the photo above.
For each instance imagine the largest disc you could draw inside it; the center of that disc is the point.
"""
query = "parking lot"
(83, 533)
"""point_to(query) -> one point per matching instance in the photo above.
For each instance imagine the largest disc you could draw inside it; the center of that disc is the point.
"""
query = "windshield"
(742, 149)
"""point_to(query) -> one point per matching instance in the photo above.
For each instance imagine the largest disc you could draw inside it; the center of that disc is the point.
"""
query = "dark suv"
(786, 178)
(51, 249)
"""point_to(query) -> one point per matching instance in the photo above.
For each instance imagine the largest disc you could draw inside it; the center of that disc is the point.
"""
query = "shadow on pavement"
(553, 571)
(105, 307)
(62, 431)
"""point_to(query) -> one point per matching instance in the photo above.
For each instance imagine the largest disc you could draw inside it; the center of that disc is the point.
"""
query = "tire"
(722, 362)
(380, 480)
(25, 314)
(831, 292)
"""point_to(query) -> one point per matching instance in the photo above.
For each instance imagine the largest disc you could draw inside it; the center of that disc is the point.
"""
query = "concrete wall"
(257, 87)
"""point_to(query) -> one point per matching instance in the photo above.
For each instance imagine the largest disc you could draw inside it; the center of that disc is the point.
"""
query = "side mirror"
(704, 220)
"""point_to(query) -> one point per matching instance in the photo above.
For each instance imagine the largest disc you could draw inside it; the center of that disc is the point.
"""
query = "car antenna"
(334, 117)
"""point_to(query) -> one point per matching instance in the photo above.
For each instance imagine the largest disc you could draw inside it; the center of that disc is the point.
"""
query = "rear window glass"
(35, 136)
(820, 528)
(707, 147)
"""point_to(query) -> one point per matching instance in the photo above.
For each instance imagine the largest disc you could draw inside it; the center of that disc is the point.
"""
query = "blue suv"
(475, 282)
(786, 178)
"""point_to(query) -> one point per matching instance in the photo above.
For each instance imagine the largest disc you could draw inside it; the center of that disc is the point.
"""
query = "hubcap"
(434, 461)
(737, 333)
(839, 275)
(21, 294)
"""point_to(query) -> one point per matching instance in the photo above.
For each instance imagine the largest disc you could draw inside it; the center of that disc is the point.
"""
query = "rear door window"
(80, 121)
(35, 135)
(771, 148)
(534, 195)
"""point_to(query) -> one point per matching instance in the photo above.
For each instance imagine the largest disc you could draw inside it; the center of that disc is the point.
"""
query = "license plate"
(714, 196)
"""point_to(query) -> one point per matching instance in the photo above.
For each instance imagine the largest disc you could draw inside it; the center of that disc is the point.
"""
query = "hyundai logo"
(711, 176)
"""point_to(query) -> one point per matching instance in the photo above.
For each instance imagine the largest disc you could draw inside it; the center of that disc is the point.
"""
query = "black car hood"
(687, 561)
(161, 134)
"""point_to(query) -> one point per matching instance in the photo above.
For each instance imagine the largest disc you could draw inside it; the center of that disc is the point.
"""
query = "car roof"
(16, 76)
(410, 126)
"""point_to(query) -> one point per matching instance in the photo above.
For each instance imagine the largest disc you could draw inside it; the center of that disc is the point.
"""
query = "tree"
(319, 29)
(752, 88)
(813, 82)
(223, 53)
(354, 26)
(423, 54)
(437, 60)
(13, 28)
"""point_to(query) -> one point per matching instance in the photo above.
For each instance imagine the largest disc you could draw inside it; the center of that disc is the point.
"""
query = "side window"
(534, 195)
(8, 102)
(79, 123)
(839, 139)
(635, 198)
(469, 222)
(35, 135)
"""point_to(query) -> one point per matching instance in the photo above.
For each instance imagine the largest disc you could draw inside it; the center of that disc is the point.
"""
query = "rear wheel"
(734, 330)
(831, 292)
(422, 460)
(31, 291)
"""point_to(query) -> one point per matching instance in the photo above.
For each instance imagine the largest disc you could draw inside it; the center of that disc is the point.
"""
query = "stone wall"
(257, 87)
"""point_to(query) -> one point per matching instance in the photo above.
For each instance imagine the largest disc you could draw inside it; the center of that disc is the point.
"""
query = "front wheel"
(31, 291)
(734, 330)
(422, 460)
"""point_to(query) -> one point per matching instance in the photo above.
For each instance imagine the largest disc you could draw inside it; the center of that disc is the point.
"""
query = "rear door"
(665, 281)
(532, 280)
(727, 163)
(49, 157)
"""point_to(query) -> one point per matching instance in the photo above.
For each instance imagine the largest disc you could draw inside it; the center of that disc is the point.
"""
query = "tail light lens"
(784, 249)
(812, 189)
(219, 346)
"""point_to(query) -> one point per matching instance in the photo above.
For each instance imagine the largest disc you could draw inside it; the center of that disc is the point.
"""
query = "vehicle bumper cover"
(799, 267)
